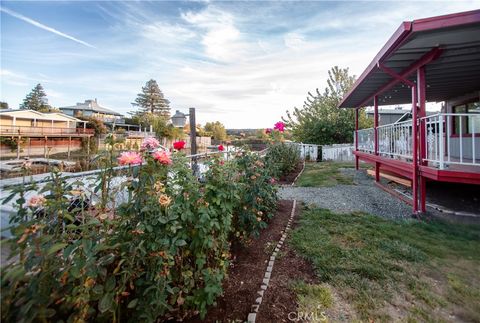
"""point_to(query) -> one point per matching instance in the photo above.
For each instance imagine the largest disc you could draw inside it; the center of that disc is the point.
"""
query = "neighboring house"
(91, 108)
(114, 120)
(434, 59)
(39, 132)
(388, 116)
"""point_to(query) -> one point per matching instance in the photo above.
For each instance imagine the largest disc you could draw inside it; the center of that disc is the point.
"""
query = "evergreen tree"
(320, 121)
(152, 100)
(3, 105)
(36, 100)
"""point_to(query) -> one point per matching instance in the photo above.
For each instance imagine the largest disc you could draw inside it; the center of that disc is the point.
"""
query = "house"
(388, 116)
(112, 119)
(91, 108)
(38, 132)
(436, 60)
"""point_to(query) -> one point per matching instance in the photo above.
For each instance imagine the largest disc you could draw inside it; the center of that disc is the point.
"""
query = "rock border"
(299, 174)
(252, 316)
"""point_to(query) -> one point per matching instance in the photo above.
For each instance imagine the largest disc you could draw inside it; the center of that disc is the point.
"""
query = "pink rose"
(150, 143)
(130, 158)
(36, 201)
(280, 126)
(163, 157)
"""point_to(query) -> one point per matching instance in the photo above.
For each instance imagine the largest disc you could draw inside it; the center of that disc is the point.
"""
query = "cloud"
(44, 27)
(242, 63)
(221, 39)
(294, 41)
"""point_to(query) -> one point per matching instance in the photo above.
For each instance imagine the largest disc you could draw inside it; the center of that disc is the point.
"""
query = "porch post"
(414, 150)
(423, 150)
(375, 125)
(356, 138)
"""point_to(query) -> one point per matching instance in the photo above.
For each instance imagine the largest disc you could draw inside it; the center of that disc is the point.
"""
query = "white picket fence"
(307, 151)
(338, 152)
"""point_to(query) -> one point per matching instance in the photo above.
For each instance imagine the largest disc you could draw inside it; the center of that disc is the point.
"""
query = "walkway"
(363, 196)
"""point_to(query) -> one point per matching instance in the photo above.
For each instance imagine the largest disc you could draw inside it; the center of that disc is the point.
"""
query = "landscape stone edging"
(268, 273)
(303, 168)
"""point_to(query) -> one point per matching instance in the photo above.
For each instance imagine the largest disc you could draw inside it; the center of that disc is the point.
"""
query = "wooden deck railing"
(26, 131)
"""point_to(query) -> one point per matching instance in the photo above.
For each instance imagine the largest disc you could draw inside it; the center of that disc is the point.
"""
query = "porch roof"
(454, 43)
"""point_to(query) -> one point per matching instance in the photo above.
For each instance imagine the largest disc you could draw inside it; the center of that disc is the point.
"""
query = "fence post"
(441, 142)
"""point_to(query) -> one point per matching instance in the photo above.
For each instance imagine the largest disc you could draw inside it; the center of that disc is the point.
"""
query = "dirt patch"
(288, 179)
(280, 299)
(246, 272)
(280, 302)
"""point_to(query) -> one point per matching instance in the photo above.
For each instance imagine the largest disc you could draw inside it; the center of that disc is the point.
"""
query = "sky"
(241, 63)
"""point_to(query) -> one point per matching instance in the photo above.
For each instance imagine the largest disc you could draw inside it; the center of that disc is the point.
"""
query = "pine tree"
(36, 100)
(152, 100)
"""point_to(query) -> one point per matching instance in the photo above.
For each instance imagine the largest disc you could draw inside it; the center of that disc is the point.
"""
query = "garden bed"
(246, 271)
(289, 178)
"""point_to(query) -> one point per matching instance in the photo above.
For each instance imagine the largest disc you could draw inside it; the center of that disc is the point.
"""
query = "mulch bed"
(288, 179)
(279, 299)
(247, 271)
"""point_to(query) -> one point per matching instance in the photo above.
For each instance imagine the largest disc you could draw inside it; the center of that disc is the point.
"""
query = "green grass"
(324, 174)
(394, 270)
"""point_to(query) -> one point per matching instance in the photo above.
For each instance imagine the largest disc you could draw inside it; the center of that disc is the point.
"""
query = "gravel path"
(363, 196)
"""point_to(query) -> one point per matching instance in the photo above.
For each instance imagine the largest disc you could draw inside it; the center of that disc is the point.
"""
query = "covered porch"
(427, 60)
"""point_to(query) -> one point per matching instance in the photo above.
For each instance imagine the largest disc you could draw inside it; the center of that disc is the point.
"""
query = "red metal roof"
(454, 72)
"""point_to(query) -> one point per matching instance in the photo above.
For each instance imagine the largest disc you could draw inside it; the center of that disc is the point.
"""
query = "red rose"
(179, 145)
(221, 148)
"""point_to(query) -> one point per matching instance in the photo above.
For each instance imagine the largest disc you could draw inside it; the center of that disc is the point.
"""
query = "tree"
(320, 121)
(3, 105)
(216, 130)
(152, 100)
(36, 100)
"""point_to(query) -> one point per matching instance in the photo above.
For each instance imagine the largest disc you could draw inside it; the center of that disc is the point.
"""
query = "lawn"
(325, 174)
(391, 270)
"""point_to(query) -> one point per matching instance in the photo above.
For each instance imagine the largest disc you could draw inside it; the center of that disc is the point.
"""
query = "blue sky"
(242, 63)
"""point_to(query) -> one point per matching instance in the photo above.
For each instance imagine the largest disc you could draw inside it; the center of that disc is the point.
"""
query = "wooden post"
(45, 148)
(375, 127)
(69, 144)
(88, 146)
(18, 147)
(414, 151)
(423, 150)
(356, 138)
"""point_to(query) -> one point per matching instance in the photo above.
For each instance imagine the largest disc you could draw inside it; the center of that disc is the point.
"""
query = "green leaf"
(110, 284)
(56, 247)
(97, 289)
(180, 243)
(106, 303)
(133, 303)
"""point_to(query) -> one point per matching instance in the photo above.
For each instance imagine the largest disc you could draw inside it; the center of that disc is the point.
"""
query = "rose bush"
(161, 253)
(281, 158)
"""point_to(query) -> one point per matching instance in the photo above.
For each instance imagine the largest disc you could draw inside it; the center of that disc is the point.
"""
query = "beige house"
(37, 133)
(30, 122)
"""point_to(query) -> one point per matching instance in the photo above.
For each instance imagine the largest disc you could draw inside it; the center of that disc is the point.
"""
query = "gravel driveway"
(363, 196)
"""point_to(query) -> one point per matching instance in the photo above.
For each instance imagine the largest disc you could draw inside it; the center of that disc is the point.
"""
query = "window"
(469, 121)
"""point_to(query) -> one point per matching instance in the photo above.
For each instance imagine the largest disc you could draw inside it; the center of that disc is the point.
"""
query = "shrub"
(257, 195)
(162, 253)
(282, 158)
